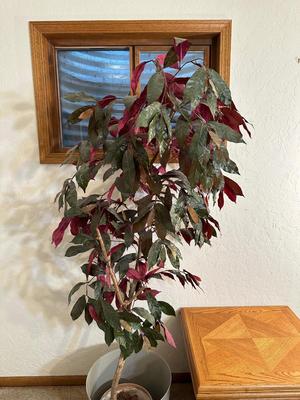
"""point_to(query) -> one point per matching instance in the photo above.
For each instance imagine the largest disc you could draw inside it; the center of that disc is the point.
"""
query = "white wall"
(255, 261)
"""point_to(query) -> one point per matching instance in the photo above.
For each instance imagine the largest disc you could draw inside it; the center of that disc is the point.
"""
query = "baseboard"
(68, 380)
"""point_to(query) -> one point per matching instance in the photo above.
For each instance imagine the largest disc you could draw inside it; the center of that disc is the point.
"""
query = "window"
(97, 57)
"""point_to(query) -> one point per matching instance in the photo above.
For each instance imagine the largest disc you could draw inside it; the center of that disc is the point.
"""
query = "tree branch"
(111, 272)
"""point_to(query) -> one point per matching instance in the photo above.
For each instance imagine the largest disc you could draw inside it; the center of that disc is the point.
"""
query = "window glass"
(186, 71)
(97, 73)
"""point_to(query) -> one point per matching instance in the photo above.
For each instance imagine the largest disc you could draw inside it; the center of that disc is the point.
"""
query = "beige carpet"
(179, 392)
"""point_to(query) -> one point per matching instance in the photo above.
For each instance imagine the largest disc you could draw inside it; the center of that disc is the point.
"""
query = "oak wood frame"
(47, 36)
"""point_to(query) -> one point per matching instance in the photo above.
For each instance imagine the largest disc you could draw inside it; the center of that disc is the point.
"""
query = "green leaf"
(87, 315)
(73, 212)
(129, 100)
(211, 101)
(128, 167)
(142, 312)
(71, 194)
(110, 314)
(173, 253)
(171, 58)
(79, 97)
(98, 289)
(137, 342)
(146, 242)
(148, 113)
(153, 254)
(108, 334)
(168, 198)
(181, 130)
(128, 238)
(154, 306)
(82, 238)
(163, 221)
(74, 290)
(195, 87)
(74, 250)
(73, 118)
(122, 265)
(166, 308)
(129, 317)
(84, 150)
(78, 307)
(94, 270)
(155, 86)
(83, 176)
(225, 132)
(153, 336)
(141, 154)
(108, 173)
(118, 254)
(220, 86)
(230, 167)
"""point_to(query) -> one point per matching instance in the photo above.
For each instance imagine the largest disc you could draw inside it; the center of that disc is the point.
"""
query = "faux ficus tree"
(132, 232)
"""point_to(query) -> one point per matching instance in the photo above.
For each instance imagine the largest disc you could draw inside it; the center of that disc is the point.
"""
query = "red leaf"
(109, 297)
(136, 74)
(106, 100)
(110, 192)
(143, 295)
(160, 59)
(93, 153)
(221, 200)
(78, 224)
(234, 187)
(58, 233)
(169, 337)
(230, 194)
(116, 248)
(181, 47)
(204, 111)
(142, 269)
(195, 277)
(92, 256)
(93, 312)
(214, 221)
(123, 285)
(128, 120)
(168, 274)
(134, 274)
(187, 235)
(207, 229)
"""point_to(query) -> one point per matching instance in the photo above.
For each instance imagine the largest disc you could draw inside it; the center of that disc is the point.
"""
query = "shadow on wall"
(80, 361)
(32, 269)
(84, 358)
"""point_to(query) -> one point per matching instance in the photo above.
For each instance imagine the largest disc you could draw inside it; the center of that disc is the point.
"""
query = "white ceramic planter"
(147, 369)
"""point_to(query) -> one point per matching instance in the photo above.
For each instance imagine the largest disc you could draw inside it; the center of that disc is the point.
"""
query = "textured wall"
(255, 261)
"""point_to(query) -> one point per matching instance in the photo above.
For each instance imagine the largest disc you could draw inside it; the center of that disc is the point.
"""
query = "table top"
(237, 352)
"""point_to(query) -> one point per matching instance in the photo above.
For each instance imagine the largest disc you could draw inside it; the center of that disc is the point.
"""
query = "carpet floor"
(179, 391)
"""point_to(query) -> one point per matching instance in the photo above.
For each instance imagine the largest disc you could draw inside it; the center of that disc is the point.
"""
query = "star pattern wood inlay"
(243, 352)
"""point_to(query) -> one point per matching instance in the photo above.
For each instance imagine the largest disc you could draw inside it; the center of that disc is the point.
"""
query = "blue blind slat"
(97, 72)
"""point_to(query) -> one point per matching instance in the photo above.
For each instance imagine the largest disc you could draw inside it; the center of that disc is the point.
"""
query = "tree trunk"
(116, 378)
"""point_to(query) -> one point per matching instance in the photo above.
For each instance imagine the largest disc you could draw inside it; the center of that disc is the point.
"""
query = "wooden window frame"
(48, 36)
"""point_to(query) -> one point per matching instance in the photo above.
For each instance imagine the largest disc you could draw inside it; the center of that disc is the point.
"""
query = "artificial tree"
(132, 232)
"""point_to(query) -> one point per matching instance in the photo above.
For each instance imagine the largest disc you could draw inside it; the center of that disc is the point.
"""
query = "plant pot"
(146, 369)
